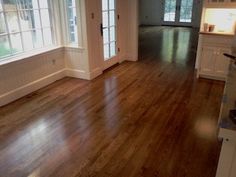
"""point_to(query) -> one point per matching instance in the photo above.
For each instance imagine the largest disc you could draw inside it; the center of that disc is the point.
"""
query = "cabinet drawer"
(215, 40)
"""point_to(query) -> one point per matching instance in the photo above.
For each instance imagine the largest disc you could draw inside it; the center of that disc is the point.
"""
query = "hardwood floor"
(151, 118)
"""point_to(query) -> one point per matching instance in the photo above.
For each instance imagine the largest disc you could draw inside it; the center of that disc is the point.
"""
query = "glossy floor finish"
(150, 118)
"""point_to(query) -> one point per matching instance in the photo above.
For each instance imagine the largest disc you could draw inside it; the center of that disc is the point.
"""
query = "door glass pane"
(106, 51)
(112, 18)
(109, 28)
(105, 19)
(186, 11)
(112, 34)
(2, 24)
(112, 49)
(105, 36)
(12, 21)
(111, 4)
(4, 46)
(104, 4)
(170, 10)
(16, 43)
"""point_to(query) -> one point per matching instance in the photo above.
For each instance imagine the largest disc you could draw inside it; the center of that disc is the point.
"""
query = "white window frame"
(8, 33)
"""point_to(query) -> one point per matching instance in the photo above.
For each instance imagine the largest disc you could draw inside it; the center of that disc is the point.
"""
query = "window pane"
(105, 19)
(113, 49)
(45, 18)
(9, 5)
(12, 21)
(69, 3)
(43, 3)
(47, 36)
(37, 38)
(170, 10)
(186, 11)
(104, 4)
(2, 24)
(112, 34)
(21, 4)
(16, 43)
(72, 21)
(111, 4)
(35, 19)
(27, 4)
(27, 40)
(4, 46)
(0, 5)
(112, 18)
(106, 51)
(35, 4)
(25, 19)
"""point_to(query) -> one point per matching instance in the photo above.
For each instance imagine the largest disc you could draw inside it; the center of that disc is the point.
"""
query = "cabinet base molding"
(205, 76)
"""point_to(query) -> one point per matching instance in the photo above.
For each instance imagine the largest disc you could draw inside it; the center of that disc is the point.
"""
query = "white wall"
(25, 76)
(150, 12)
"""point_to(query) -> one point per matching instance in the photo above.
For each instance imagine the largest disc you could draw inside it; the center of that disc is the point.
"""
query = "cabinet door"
(208, 60)
(222, 62)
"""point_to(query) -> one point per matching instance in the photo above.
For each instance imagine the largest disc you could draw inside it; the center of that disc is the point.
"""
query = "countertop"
(217, 33)
(228, 103)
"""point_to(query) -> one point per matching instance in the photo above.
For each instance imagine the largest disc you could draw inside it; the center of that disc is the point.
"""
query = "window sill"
(74, 46)
(30, 54)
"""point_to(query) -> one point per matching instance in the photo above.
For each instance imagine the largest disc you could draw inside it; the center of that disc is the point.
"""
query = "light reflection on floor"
(175, 45)
(205, 128)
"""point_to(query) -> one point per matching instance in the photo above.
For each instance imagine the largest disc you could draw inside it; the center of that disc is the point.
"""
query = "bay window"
(24, 25)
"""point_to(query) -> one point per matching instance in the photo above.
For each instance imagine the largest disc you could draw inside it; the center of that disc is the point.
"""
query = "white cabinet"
(227, 161)
(213, 63)
(220, 3)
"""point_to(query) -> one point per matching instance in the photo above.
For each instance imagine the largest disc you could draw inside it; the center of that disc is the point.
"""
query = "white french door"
(178, 12)
(109, 33)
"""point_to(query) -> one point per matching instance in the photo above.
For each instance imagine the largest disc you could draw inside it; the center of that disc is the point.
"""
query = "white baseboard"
(95, 73)
(31, 87)
(80, 74)
(40, 83)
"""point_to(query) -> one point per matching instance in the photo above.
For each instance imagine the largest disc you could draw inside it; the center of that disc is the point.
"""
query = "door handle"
(101, 29)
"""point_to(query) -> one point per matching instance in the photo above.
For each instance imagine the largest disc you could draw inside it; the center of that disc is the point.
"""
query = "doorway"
(178, 12)
(109, 33)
